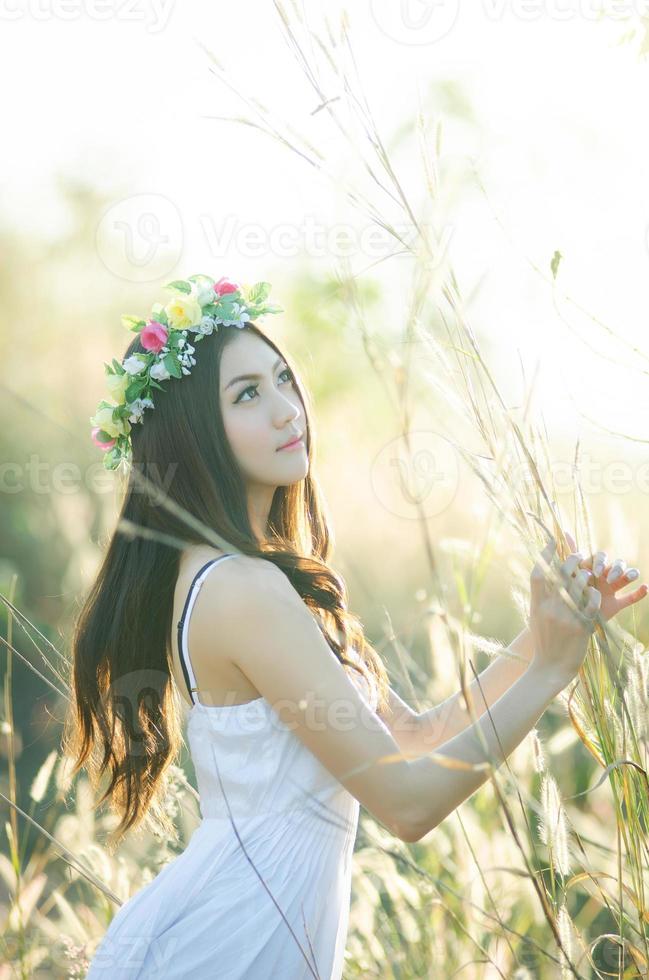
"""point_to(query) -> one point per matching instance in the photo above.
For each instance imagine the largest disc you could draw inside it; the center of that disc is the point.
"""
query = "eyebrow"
(253, 377)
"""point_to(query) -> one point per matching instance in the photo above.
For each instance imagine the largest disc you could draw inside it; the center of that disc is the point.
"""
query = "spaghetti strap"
(183, 624)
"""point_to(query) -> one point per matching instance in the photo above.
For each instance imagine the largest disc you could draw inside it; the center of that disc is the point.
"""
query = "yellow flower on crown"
(183, 311)
(103, 418)
(117, 385)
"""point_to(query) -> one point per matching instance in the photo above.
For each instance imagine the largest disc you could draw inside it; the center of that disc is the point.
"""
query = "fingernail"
(613, 574)
(598, 568)
(632, 574)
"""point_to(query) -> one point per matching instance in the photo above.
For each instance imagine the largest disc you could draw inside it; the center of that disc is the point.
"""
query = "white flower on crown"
(137, 408)
(204, 292)
(133, 364)
(206, 326)
(186, 360)
(159, 372)
(240, 311)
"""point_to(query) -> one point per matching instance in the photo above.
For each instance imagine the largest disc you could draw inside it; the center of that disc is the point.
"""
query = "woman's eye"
(253, 388)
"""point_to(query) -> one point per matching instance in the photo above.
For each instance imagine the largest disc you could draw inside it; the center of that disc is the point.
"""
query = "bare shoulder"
(248, 581)
(264, 627)
(195, 555)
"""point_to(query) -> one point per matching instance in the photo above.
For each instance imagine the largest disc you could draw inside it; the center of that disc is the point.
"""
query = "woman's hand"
(561, 632)
(609, 579)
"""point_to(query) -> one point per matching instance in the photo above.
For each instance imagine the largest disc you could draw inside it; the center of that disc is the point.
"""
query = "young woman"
(222, 597)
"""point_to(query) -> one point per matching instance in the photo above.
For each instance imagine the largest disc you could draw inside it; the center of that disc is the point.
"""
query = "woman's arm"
(417, 733)
(509, 720)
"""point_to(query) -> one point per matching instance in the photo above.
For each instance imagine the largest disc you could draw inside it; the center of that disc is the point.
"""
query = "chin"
(295, 473)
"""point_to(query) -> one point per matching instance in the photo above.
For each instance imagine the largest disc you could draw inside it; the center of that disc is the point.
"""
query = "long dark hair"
(125, 715)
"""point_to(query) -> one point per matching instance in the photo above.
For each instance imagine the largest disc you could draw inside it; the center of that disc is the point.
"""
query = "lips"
(290, 442)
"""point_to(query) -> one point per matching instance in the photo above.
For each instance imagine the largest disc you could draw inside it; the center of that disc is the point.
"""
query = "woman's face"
(261, 413)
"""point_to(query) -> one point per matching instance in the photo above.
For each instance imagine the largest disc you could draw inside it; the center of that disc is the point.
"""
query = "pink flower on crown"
(224, 286)
(154, 336)
(102, 445)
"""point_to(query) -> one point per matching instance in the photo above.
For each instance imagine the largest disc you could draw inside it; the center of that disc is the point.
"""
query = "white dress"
(263, 888)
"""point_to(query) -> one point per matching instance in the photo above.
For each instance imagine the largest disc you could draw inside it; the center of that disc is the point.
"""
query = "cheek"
(244, 432)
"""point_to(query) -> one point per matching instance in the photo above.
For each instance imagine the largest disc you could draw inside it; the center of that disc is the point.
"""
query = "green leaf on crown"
(200, 278)
(179, 286)
(104, 436)
(118, 367)
(133, 323)
(154, 384)
(268, 308)
(112, 458)
(172, 365)
(225, 306)
(161, 317)
(135, 389)
(258, 293)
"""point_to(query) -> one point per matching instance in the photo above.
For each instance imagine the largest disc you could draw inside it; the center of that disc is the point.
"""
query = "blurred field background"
(520, 140)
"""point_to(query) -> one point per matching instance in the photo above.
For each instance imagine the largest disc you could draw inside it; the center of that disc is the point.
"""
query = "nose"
(289, 414)
(286, 411)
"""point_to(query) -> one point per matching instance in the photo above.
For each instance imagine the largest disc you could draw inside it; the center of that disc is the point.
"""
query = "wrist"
(553, 678)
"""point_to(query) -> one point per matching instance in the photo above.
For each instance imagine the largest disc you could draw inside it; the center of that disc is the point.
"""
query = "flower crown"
(199, 304)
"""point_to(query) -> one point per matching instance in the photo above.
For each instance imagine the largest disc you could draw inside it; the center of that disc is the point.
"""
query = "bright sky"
(114, 90)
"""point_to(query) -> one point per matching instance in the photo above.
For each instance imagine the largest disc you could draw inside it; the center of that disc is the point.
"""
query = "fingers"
(620, 581)
(633, 597)
(599, 563)
(617, 569)
(577, 585)
(596, 562)
(593, 603)
(538, 577)
(571, 564)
